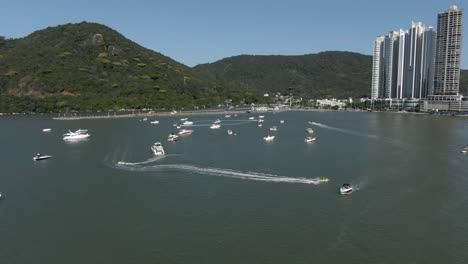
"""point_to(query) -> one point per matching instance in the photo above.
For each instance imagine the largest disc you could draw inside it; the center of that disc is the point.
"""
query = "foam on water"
(254, 176)
(346, 131)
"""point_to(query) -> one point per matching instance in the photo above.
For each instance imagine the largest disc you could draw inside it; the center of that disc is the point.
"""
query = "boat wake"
(346, 131)
(254, 176)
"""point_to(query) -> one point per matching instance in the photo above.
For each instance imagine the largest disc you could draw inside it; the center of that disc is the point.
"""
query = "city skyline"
(207, 31)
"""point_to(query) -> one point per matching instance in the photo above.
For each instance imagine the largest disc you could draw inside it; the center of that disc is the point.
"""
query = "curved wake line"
(254, 176)
(346, 131)
(150, 160)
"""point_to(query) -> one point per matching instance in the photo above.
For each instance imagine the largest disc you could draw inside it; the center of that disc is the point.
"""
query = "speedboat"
(229, 132)
(273, 128)
(269, 138)
(217, 121)
(346, 189)
(185, 132)
(282, 121)
(187, 123)
(46, 130)
(309, 130)
(41, 157)
(158, 149)
(215, 126)
(154, 122)
(172, 137)
(310, 139)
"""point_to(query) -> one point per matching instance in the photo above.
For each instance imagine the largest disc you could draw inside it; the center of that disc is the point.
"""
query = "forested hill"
(327, 74)
(88, 66)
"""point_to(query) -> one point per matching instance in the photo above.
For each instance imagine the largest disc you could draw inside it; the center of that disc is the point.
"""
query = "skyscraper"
(377, 67)
(448, 54)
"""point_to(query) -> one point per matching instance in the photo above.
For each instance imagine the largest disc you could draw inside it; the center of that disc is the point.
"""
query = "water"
(217, 198)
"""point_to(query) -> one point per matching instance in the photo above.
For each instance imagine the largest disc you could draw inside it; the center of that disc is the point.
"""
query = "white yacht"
(269, 138)
(158, 149)
(310, 139)
(46, 130)
(154, 122)
(229, 132)
(77, 135)
(346, 189)
(41, 157)
(185, 132)
(273, 128)
(309, 130)
(217, 121)
(172, 137)
(215, 126)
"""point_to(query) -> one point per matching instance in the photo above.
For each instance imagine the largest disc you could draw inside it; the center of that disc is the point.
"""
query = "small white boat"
(158, 149)
(260, 124)
(77, 135)
(310, 139)
(269, 138)
(261, 116)
(187, 123)
(154, 122)
(282, 121)
(346, 189)
(46, 130)
(41, 157)
(183, 119)
(273, 128)
(309, 130)
(215, 126)
(464, 151)
(172, 137)
(217, 121)
(261, 121)
(145, 119)
(173, 112)
(227, 116)
(251, 118)
(229, 132)
(178, 127)
(185, 132)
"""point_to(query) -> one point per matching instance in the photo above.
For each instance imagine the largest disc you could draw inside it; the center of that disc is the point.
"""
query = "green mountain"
(327, 74)
(88, 66)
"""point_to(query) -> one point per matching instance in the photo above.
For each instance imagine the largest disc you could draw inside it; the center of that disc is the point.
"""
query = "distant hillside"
(326, 74)
(88, 66)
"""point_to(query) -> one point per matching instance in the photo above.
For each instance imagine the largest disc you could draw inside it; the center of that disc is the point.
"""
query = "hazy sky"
(194, 32)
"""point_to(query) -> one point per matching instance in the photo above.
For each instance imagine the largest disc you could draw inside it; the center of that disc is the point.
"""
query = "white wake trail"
(346, 131)
(255, 176)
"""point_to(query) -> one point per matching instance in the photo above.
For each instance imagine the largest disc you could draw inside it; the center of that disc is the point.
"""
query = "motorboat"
(229, 132)
(261, 121)
(251, 118)
(39, 156)
(154, 122)
(309, 130)
(187, 123)
(172, 137)
(282, 121)
(178, 126)
(227, 116)
(217, 121)
(273, 128)
(158, 149)
(145, 119)
(185, 132)
(346, 189)
(215, 126)
(77, 135)
(323, 179)
(310, 139)
(464, 150)
(46, 130)
(261, 116)
(269, 138)
(260, 124)
(183, 119)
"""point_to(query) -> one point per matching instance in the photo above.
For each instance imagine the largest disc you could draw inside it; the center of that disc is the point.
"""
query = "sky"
(203, 31)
